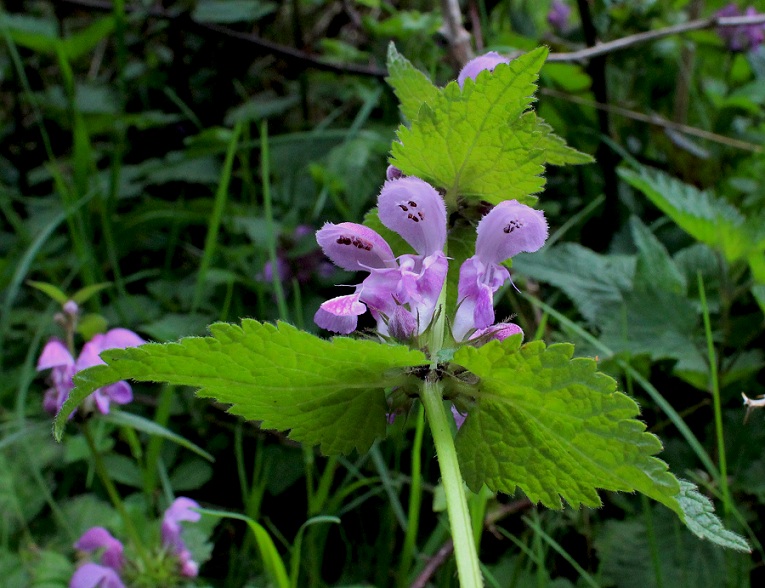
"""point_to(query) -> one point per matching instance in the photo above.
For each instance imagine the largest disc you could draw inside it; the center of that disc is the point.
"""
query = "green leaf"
(757, 266)
(596, 283)
(637, 328)
(228, 11)
(88, 292)
(758, 291)
(329, 393)
(81, 42)
(52, 291)
(555, 427)
(478, 141)
(37, 34)
(272, 561)
(655, 267)
(698, 515)
(90, 325)
(556, 150)
(706, 218)
(411, 86)
(139, 423)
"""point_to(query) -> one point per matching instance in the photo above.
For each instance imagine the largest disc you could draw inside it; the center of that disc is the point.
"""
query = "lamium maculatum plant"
(457, 205)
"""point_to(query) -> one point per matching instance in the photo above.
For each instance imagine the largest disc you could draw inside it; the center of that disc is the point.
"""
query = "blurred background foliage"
(184, 152)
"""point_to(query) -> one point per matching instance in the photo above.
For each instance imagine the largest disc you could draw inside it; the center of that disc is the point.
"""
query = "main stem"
(465, 551)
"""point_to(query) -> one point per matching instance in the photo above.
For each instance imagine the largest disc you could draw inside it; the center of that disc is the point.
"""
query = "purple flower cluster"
(742, 37)
(402, 293)
(56, 357)
(109, 551)
(107, 573)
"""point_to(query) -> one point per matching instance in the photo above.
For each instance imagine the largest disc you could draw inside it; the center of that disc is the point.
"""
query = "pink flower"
(395, 287)
(180, 510)
(472, 68)
(91, 575)
(98, 538)
(56, 357)
(508, 229)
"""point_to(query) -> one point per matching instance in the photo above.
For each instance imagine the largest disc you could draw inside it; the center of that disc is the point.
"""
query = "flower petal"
(475, 66)
(383, 290)
(354, 247)
(402, 325)
(459, 418)
(53, 401)
(99, 538)
(54, 354)
(120, 339)
(182, 509)
(92, 575)
(119, 392)
(101, 400)
(340, 315)
(393, 173)
(475, 292)
(423, 298)
(508, 229)
(89, 355)
(179, 510)
(416, 211)
(500, 332)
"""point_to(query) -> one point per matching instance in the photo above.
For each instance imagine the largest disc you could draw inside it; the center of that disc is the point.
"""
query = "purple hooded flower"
(99, 538)
(91, 575)
(180, 510)
(56, 356)
(741, 37)
(508, 229)
(475, 66)
(395, 287)
(558, 16)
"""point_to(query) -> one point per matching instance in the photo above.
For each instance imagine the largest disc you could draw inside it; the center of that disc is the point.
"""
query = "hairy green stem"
(465, 551)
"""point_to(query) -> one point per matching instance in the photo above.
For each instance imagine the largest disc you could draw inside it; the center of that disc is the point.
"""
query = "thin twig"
(309, 60)
(433, 564)
(657, 120)
(630, 40)
(284, 51)
(492, 518)
(455, 33)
